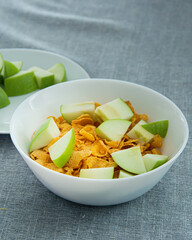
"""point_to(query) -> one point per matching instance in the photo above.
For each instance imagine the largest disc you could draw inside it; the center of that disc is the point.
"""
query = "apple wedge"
(4, 100)
(1, 62)
(20, 83)
(116, 109)
(113, 130)
(59, 73)
(97, 173)
(124, 174)
(160, 127)
(138, 132)
(44, 78)
(73, 111)
(130, 160)
(61, 151)
(153, 161)
(11, 68)
(43, 136)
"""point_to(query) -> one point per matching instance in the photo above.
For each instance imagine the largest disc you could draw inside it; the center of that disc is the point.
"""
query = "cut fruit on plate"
(138, 132)
(153, 161)
(61, 151)
(45, 133)
(124, 174)
(20, 83)
(4, 100)
(116, 109)
(73, 111)
(59, 72)
(130, 160)
(160, 127)
(11, 68)
(44, 78)
(97, 173)
(113, 130)
(1, 62)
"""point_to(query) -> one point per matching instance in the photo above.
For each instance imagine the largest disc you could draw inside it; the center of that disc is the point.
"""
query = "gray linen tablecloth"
(142, 41)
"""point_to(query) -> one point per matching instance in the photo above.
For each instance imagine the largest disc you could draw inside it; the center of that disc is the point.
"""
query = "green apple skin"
(116, 109)
(130, 160)
(43, 136)
(11, 68)
(1, 78)
(59, 73)
(44, 78)
(20, 83)
(153, 161)
(113, 130)
(1, 62)
(159, 127)
(97, 173)
(73, 111)
(4, 100)
(124, 174)
(138, 132)
(61, 151)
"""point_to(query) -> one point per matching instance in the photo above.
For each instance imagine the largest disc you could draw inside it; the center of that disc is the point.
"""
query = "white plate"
(32, 57)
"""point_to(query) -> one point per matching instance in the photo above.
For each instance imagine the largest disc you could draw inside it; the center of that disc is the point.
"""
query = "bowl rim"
(169, 162)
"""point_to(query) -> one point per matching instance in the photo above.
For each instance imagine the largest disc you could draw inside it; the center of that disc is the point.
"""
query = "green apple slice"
(45, 133)
(44, 78)
(130, 160)
(97, 173)
(4, 100)
(61, 151)
(124, 174)
(1, 78)
(20, 83)
(11, 68)
(153, 161)
(159, 127)
(116, 109)
(59, 72)
(1, 62)
(73, 111)
(113, 130)
(138, 132)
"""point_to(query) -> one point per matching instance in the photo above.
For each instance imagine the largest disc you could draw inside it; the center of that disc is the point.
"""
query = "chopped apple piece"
(4, 100)
(153, 161)
(45, 133)
(59, 73)
(138, 132)
(159, 127)
(113, 130)
(97, 173)
(73, 111)
(44, 78)
(11, 68)
(116, 109)
(61, 151)
(20, 83)
(124, 174)
(130, 160)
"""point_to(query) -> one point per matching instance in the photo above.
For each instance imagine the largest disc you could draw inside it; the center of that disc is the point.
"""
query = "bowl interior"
(34, 110)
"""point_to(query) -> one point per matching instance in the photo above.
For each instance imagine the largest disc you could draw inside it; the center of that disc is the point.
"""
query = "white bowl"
(34, 110)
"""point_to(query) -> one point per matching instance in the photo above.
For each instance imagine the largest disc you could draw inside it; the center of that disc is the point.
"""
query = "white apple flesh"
(97, 173)
(73, 111)
(43, 136)
(130, 160)
(116, 109)
(153, 161)
(113, 130)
